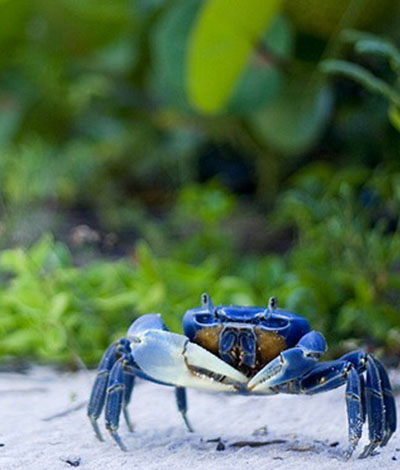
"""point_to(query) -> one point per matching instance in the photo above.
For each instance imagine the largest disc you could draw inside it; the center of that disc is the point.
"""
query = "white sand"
(160, 441)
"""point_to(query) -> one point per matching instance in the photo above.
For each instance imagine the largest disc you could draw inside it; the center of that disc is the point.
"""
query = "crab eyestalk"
(206, 302)
(271, 307)
(272, 304)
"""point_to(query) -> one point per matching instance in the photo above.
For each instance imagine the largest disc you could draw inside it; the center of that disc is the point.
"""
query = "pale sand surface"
(309, 425)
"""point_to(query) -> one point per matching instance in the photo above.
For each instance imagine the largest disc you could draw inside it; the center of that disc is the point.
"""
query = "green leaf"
(13, 19)
(15, 260)
(168, 47)
(261, 80)
(147, 261)
(293, 122)
(87, 23)
(41, 251)
(366, 43)
(362, 76)
(59, 305)
(394, 116)
(10, 118)
(221, 42)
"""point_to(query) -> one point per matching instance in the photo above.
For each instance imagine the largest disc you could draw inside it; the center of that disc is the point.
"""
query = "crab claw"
(173, 359)
(290, 364)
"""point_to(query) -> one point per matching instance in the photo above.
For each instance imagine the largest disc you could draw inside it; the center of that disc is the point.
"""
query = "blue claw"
(287, 366)
(150, 321)
(313, 344)
(290, 364)
(172, 359)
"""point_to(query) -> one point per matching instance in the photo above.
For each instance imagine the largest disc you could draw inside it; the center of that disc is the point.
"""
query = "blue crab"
(245, 350)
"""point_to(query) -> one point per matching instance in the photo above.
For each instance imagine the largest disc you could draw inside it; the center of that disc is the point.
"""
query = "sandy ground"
(313, 429)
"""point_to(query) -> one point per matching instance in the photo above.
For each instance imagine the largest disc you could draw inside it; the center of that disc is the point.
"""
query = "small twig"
(257, 443)
(66, 412)
(302, 449)
(72, 462)
(220, 444)
(216, 439)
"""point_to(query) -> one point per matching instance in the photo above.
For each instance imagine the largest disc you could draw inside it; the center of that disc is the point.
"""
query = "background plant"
(135, 174)
(342, 274)
(374, 46)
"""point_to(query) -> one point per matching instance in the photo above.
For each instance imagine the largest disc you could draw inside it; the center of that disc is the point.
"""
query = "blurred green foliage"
(375, 46)
(347, 257)
(343, 274)
(221, 41)
(160, 175)
(325, 18)
(93, 95)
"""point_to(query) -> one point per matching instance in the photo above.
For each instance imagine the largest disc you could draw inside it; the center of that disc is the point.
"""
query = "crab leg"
(380, 404)
(375, 409)
(360, 360)
(390, 405)
(129, 382)
(333, 374)
(355, 404)
(180, 394)
(98, 395)
(117, 391)
(290, 364)
(376, 403)
(377, 413)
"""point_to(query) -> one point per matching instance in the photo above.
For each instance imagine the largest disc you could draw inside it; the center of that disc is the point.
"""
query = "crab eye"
(204, 318)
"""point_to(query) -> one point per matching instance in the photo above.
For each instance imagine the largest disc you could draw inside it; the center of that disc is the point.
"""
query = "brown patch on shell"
(269, 346)
(208, 338)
